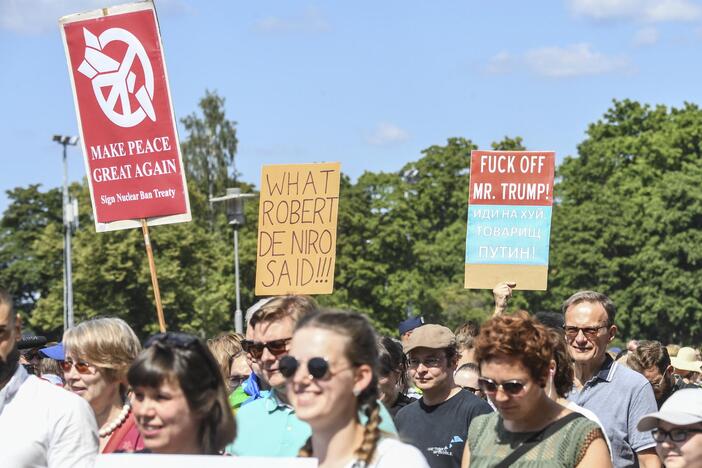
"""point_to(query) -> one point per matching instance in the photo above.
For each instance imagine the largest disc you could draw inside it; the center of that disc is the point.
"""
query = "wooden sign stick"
(154, 277)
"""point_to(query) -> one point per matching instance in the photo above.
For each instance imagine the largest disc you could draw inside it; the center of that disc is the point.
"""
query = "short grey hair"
(592, 296)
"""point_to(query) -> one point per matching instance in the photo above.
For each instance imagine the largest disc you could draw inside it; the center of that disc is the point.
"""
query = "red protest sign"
(511, 178)
(126, 120)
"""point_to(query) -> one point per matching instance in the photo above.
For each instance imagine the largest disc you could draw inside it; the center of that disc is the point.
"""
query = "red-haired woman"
(529, 429)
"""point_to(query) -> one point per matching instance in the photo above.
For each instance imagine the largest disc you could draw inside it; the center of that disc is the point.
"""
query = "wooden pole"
(154, 277)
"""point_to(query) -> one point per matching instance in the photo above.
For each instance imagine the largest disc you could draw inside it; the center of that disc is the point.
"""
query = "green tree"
(209, 152)
(31, 245)
(629, 218)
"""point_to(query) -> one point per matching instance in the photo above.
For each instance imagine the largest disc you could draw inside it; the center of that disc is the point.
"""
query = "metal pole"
(68, 274)
(65, 240)
(238, 318)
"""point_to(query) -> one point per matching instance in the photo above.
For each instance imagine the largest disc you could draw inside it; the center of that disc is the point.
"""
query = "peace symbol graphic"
(106, 72)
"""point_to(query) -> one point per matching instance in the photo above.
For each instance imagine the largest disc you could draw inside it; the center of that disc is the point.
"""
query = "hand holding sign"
(297, 229)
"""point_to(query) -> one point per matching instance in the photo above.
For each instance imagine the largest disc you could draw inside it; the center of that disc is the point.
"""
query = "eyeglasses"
(82, 367)
(276, 347)
(510, 387)
(236, 380)
(676, 435)
(428, 362)
(318, 367)
(589, 332)
(177, 339)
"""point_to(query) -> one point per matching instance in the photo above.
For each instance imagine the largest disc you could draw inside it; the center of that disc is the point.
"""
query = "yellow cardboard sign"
(297, 218)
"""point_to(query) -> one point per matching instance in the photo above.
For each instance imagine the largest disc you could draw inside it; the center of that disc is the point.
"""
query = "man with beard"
(651, 360)
(42, 424)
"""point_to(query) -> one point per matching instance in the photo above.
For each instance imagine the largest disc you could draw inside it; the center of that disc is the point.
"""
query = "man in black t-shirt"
(437, 424)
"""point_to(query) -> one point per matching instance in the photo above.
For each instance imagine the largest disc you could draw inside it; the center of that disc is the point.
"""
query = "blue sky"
(366, 83)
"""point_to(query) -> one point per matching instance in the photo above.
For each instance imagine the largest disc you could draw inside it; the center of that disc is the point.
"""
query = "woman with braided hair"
(331, 375)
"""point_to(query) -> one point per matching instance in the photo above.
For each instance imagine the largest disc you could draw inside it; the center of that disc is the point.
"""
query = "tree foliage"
(627, 222)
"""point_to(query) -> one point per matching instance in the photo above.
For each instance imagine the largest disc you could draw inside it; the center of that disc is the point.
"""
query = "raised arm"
(502, 292)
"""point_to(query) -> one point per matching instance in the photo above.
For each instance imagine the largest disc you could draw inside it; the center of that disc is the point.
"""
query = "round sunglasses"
(317, 367)
(510, 387)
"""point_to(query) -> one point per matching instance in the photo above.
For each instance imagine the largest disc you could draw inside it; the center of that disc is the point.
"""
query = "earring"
(356, 392)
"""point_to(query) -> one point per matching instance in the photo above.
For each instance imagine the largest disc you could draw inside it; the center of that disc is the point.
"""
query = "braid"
(306, 450)
(371, 434)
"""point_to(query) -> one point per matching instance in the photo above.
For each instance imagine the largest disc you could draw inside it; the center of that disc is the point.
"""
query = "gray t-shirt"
(619, 397)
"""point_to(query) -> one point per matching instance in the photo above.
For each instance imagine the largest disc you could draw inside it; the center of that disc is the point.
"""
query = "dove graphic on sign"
(106, 72)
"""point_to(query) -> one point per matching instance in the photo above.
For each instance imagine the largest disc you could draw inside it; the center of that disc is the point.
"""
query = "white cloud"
(499, 64)
(311, 21)
(644, 10)
(646, 37)
(386, 133)
(41, 16)
(558, 62)
(574, 60)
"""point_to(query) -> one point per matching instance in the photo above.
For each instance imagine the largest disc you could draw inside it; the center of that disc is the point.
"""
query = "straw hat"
(687, 360)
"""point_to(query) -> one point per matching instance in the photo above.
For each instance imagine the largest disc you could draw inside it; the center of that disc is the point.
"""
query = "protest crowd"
(518, 390)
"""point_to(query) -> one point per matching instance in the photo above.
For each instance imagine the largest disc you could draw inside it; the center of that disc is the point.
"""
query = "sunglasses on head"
(317, 367)
(81, 366)
(510, 387)
(276, 347)
(176, 339)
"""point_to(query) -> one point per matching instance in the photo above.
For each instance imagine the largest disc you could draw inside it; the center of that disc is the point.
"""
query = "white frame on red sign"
(126, 223)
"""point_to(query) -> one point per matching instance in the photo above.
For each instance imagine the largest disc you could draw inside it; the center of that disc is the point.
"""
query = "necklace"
(115, 423)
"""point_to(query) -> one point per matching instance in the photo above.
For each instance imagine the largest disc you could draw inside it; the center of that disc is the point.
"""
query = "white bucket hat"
(682, 408)
(687, 360)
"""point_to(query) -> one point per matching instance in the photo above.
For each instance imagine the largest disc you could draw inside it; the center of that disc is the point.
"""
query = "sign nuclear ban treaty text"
(297, 219)
(509, 218)
(126, 120)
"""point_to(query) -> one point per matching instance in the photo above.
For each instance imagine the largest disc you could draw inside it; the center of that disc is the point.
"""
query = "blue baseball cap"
(55, 352)
(410, 324)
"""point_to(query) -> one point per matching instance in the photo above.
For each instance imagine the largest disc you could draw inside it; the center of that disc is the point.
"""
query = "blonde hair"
(295, 307)
(225, 347)
(108, 343)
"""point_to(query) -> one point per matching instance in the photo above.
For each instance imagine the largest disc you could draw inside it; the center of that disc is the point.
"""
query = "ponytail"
(371, 434)
(306, 450)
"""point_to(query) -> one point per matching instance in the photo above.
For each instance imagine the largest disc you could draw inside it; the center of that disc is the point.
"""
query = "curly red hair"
(517, 336)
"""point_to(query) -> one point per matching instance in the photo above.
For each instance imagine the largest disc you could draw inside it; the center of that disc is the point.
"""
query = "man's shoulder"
(38, 390)
(37, 399)
(626, 378)
(408, 410)
(466, 404)
(256, 408)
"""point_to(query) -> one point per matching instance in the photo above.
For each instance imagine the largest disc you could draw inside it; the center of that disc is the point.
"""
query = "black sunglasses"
(317, 367)
(510, 387)
(276, 347)
(470, 389)
(177, 339)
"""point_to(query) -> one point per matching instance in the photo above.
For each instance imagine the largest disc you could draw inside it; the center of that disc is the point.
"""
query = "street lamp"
(70, 222)
(234, 200)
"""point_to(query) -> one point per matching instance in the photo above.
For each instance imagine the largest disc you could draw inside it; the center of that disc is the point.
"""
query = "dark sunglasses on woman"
(317, 367)
(510, 387)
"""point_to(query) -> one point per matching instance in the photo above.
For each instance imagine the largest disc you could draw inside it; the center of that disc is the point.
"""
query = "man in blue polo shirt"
(268, 427)
(617, 395)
